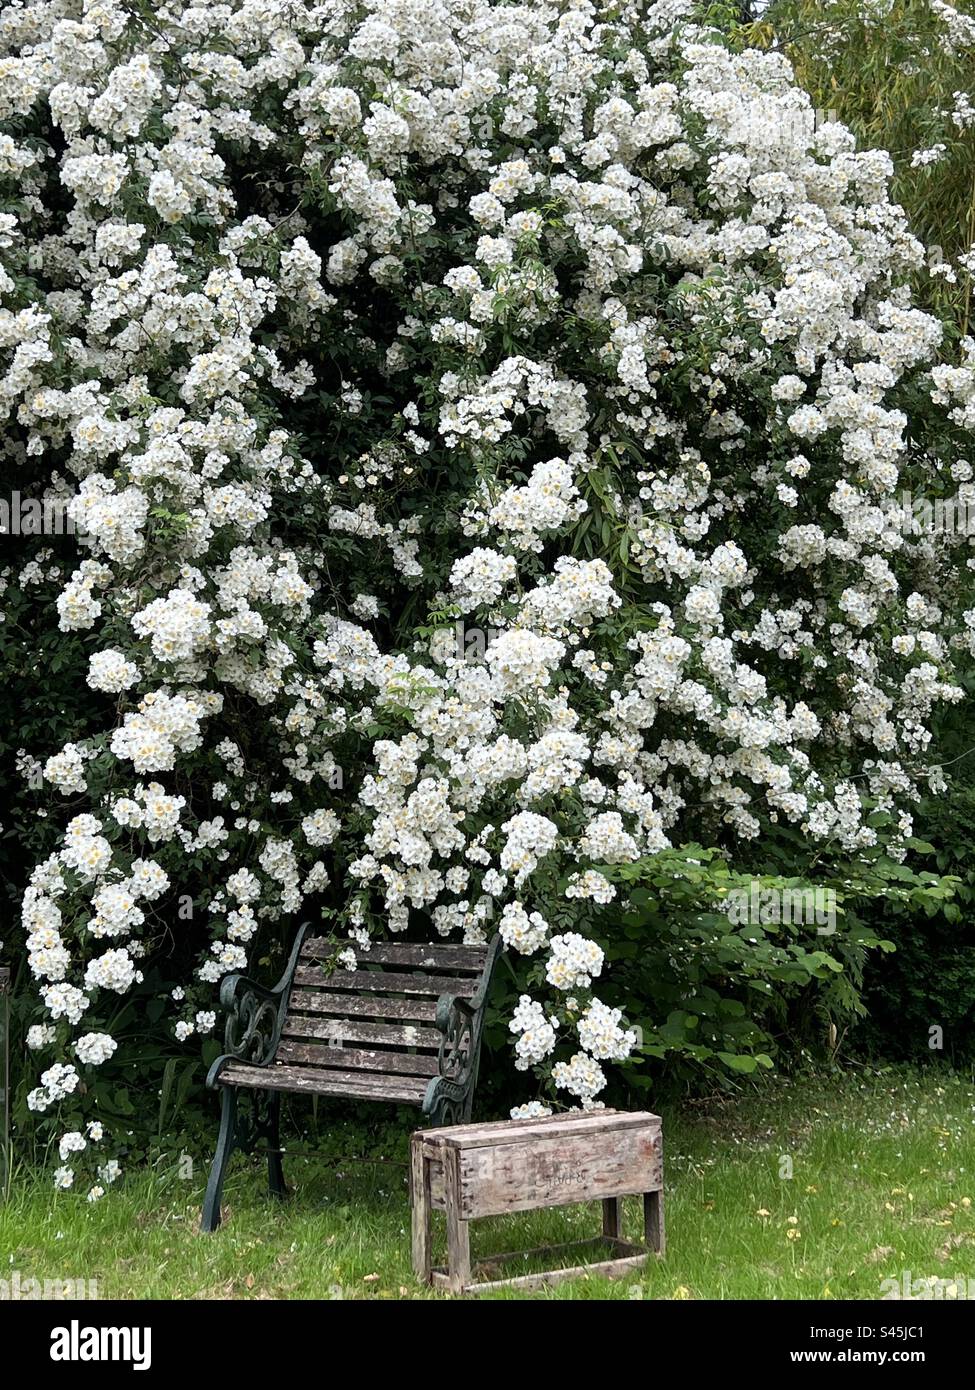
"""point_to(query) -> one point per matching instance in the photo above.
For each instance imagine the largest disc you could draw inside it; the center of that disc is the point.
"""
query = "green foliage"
(728, 971)
(928, 983)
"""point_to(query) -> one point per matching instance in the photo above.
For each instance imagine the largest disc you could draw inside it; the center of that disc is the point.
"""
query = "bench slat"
(435, 956)
(357, 1059)
(402, 1089)
(387, 980)
(349, 1006)
(351, 1030)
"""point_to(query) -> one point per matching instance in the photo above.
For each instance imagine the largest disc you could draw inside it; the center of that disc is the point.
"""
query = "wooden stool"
(469, 1171)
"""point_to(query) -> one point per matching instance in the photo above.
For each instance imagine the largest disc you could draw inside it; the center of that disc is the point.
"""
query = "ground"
(815, 1187)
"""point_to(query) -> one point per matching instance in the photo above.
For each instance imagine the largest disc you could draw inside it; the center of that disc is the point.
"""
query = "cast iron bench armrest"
(449, 1004)
(255, 1014)
(459, 1019)
(233, 987)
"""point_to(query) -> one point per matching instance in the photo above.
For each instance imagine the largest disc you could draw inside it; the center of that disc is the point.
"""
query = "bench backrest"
(378, 1017)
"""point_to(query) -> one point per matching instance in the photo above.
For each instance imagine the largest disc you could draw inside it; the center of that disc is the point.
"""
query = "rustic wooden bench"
(403, 1027)
(469, 1171)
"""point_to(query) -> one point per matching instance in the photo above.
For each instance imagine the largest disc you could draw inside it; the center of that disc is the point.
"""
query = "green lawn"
(883, 1180)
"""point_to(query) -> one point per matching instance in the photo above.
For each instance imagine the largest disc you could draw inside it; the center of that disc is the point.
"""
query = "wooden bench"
(470, 1171)
(403, 1027)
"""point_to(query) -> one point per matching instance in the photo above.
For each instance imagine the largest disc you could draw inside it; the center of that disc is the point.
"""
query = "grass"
(882, 1168)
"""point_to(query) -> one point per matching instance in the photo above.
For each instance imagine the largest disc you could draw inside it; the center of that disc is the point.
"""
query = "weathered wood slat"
(458, 1230)
(387, 980)
(610, 1269)
(436, 956)
(520, 1131)
(357, 1059)
(344, 1030)
(422, 1245)
(556, 1170)
(404, 1090)
(605, 1245)
(435, 1183)
(373, 1006)
(653, 1221)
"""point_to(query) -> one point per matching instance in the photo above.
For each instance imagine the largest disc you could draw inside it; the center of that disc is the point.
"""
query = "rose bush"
(485, 427)
(900, 74)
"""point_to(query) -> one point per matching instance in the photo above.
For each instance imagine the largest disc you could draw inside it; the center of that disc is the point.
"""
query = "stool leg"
(420, 1207)
(653, 1221)
(458, 1233)
(458, 1252)
(611, 1218)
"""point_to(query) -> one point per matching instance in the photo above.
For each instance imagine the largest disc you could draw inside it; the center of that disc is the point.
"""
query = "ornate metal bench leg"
(275, 1171)
(226, 1143)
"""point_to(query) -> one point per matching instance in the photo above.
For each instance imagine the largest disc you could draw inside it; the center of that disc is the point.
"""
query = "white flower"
(601, 1035)
(70, 1143)
(480, 577)
(573, 961)
(590, 884)
(529, 838)
(702, 605)
(533, 1110)
(177, 624)
(111, 670)
(95, 1048)
(66, 770)
(320, 828)
(536, 1033)
(521, 660)
(112, 970)
(587, 309)
(522, 931)
(581, 1077)
(606, 840)
(244, 886)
